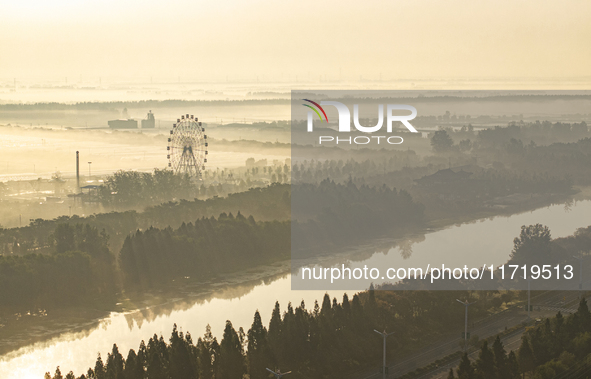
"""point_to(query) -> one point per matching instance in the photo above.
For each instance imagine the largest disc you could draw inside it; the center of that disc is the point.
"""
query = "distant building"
(149, 122)
(123, 124)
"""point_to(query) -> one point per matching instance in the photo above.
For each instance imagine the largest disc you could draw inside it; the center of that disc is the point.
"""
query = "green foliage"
(485, 363)
(547, 350)
(232, 365)
(501, 364)
(441, 141)
(533, 244)
(79, 237)
(330, 340)
(132, 188)
(525, 356)
(465, 369)
(269, 203)
(258, 351)
(333, 213)
(209, 246)
(80, 268)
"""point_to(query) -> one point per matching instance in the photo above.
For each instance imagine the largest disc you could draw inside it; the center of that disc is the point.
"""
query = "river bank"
(25, 327)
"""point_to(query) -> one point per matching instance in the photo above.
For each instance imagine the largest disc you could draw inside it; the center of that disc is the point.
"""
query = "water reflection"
(194, 308)
(482, 242)
(78, 351)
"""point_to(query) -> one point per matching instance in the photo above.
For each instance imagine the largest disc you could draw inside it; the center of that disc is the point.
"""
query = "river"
(491, 238)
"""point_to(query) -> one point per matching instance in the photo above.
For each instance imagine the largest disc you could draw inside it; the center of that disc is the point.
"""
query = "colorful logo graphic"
(316, 110)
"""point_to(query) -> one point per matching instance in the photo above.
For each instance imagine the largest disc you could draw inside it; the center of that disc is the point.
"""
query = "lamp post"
(466, 305)
(384, 335)
(580, 259)
(89, 163)
(528, 296)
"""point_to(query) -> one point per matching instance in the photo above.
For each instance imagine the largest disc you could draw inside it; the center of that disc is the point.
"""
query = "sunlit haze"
(294, 41)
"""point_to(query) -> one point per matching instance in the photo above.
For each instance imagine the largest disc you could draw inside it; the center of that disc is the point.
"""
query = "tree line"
(339, 213)
(136, 190)
(205, 248)
(79, 268)
(546, 351)
(330, 340)
(267, 203)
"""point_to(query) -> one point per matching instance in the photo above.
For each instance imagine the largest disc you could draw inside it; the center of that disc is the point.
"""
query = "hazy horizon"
(264, 41)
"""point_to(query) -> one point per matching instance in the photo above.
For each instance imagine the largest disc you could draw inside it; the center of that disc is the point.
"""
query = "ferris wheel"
(187, 147)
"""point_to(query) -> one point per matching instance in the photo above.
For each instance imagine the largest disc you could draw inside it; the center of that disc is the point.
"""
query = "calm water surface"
(489, 239)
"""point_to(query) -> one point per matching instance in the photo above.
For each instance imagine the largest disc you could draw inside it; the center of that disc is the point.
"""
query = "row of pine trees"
(332, 339)
(299, 338)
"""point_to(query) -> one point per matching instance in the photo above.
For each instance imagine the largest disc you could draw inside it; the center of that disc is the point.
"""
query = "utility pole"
(384, 335)
(466, 304)
(278, 374)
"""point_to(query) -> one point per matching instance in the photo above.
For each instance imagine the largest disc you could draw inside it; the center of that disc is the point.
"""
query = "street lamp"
(278, 374)
(385, 335)
(528, 296)
(580, 259)
(89, 163)
(466, 304)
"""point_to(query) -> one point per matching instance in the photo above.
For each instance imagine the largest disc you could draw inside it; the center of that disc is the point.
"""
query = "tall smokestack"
(78, 171)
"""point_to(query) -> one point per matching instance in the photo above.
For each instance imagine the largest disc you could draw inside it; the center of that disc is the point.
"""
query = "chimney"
(78, 171)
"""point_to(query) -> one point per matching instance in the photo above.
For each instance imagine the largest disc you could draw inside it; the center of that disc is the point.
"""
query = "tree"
(115, 363)
(465, 369)
(156, 367)
(441, 141)
(525, 356)
(206, 354)
(274, 334)
(182, 361)
(346, 305)
(465, 145)
(513, 365)
(258, 352)
(133, 366)
(99, 368)
(485, 363)
(534, 242)
(584, 316)
(231, 354)
(515, 146)
(500, 359)
(58, 374)
(451, 374)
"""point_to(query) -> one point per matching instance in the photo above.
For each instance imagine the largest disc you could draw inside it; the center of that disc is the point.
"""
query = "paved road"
(544, 305)
(511, 342)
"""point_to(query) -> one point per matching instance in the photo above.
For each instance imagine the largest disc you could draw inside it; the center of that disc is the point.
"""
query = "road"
(545, 305)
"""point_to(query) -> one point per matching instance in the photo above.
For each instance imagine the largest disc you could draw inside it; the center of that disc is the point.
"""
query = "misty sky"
(246, 39)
